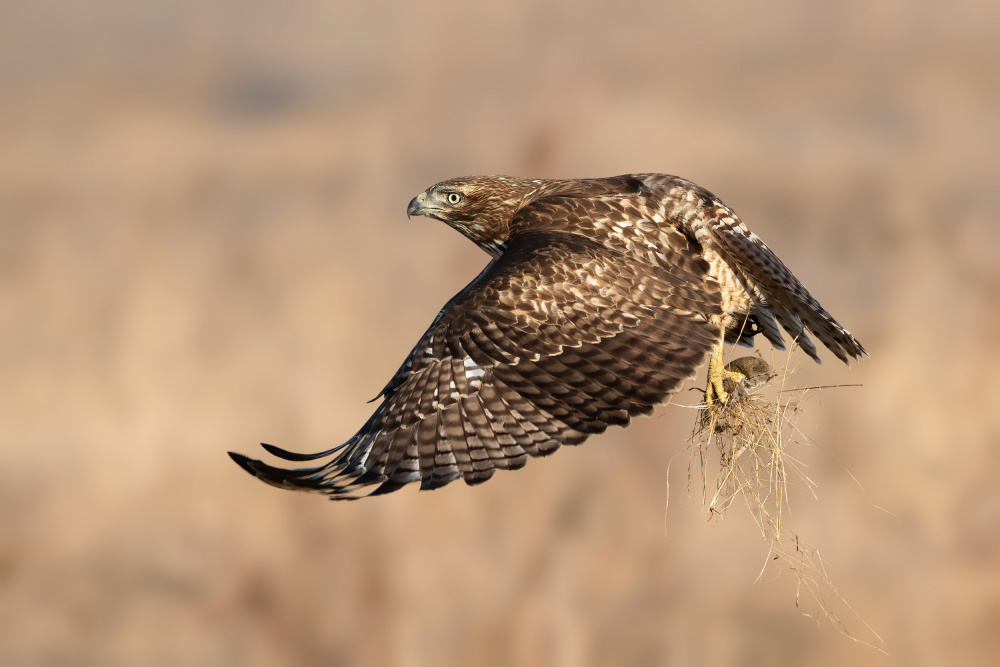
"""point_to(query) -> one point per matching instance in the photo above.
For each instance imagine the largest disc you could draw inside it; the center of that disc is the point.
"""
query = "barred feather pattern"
(603, 297)
(644, 213)
(772, 290)
(557, 339)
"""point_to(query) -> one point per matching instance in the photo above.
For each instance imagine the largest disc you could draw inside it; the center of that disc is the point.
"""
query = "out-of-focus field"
(203, 244)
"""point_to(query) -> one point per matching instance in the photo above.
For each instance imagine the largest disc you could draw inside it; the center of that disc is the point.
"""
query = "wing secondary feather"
(556, 339)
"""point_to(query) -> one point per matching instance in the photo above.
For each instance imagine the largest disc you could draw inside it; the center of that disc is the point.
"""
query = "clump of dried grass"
(752, 436)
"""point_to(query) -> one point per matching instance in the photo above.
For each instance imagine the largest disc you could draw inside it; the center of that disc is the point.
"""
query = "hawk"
(603, 296)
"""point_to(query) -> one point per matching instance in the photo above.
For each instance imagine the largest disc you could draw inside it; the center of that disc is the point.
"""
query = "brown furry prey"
(603, 296)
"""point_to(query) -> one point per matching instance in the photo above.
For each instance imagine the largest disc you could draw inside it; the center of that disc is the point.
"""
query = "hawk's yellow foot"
(718, 374)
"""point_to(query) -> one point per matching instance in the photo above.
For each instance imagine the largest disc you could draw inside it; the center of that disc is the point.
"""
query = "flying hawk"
(603, 296)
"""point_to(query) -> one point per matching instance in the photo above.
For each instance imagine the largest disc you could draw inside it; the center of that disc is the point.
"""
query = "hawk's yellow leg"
(717, 372)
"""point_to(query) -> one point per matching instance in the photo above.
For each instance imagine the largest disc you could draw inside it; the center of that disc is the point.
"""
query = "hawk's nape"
(555, 340)
(603, 296)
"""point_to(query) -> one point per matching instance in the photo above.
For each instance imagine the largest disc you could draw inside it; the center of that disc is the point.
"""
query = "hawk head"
(480, 207)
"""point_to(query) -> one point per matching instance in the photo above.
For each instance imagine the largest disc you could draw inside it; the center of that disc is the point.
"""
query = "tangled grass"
(753, 437)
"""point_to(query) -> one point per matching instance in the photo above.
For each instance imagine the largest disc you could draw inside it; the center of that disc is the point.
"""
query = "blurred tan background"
(203, 245)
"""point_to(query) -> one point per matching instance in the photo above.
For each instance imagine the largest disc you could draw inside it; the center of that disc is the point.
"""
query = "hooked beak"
(417, 205)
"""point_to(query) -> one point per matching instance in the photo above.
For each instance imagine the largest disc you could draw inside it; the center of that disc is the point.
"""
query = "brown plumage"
(603, 297)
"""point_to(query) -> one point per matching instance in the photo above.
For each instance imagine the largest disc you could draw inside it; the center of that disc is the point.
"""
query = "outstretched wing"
(556, 339)
(778, 296)
(770, 282)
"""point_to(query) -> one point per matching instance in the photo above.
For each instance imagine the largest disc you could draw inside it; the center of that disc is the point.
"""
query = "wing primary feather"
(277, 476)
(293, 456)
(557, 338)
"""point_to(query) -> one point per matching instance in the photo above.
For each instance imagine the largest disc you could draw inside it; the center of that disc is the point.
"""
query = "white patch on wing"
(472, 372)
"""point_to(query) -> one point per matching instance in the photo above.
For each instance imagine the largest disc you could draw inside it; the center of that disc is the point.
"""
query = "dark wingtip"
(245, 462)
(285, 454)
(336, 478)
(293, 456)
(299, 478)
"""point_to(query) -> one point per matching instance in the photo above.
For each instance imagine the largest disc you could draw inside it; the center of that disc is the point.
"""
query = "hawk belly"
(736, 302)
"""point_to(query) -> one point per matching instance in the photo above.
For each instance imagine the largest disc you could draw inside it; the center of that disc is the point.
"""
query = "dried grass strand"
(751, 437)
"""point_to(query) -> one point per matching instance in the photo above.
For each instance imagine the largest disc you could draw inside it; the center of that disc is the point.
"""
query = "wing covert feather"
(556, 339)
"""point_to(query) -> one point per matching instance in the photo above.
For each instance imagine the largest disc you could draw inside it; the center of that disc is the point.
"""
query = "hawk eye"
(454, 198)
